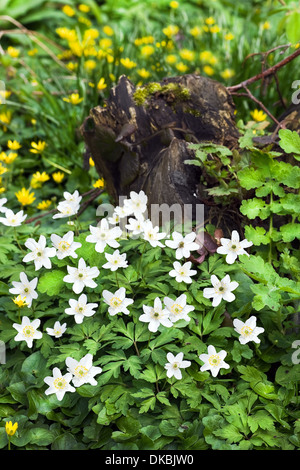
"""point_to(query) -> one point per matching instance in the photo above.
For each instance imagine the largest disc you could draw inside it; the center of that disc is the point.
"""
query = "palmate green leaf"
(255, 207)
(261, 419)
(250, 178)
(266, 295)
(258, 235)
(290, 232)
(230, 433)
(51, 282)
(289, 141)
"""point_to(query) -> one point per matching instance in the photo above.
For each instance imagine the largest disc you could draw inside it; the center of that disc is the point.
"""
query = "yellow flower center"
(63, 245)
(246, 330)
(214, 360)
(28, 331)
(176, 309)
(80, 371)
(115, 302)
(60, 383)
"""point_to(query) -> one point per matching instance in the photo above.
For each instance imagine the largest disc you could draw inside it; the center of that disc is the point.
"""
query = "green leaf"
(51, 282)
(289, 141)
(262, 420)
(293, 27)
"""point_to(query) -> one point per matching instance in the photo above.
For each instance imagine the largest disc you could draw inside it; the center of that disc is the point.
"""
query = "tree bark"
(139, 138)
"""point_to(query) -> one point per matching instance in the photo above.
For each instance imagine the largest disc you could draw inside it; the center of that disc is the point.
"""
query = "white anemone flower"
(115, 261)
(183, 273)
(137, 204)
(135, 225)
(178, 309)
(82, 276)
(155, 316)
(248, 331)
(59, 384)
(117, 301)
(102, 235)
(27, 331)
(152, 234)
(83, 371)
(11, 219)
(220, 290)
(233, 247)
(58, 330)
(40, 254)
(65, 245)
(183, 244)
(213, 361)
(174, 364)
(2, 202)
(25, 288)
(65, 209)
(81, 308)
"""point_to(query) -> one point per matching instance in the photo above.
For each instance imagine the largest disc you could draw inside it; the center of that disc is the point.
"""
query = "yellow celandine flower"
(196, 31)
(100, 183)
(91, 162)
(147, 50)
(258, 115)
(229, 36)
(66, 33)
(108, 30)
(72, 66)
(58, 176)
(144, 40)
(37, 147)
(174, 4)
(4, 95)
(2, 169)
(266, 25)
(84, 20)
(170, 30)
(181, 67)
(208, 70)
(8, 159)
(227, 73)
(73, 99)
(84, 8)
(44, 205)
(215, 29)
(38, 179)
(171, 59)
(32, 52)
(144, 73)
(20, 301)
(101, 85)
(90, 65)
(13, 52)
(13, 145)
(11, 428)
(25, 197)
(187, 54)
(127, 63)
(67, 10)
(105, 43)
(5, 118)
(210, 21)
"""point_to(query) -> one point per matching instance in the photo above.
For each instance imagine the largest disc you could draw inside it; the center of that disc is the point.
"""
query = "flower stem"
(16, 239)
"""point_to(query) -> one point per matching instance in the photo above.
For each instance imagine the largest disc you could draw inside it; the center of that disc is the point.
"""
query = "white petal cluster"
(69, 206)
(233, 247)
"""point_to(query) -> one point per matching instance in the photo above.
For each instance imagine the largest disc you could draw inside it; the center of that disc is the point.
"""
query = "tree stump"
(139, 138)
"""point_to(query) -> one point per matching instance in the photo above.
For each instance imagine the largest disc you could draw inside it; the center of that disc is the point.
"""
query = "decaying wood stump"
(139, 138)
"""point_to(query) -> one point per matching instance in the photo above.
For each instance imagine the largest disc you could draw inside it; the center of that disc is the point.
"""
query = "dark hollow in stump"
(139, 138)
